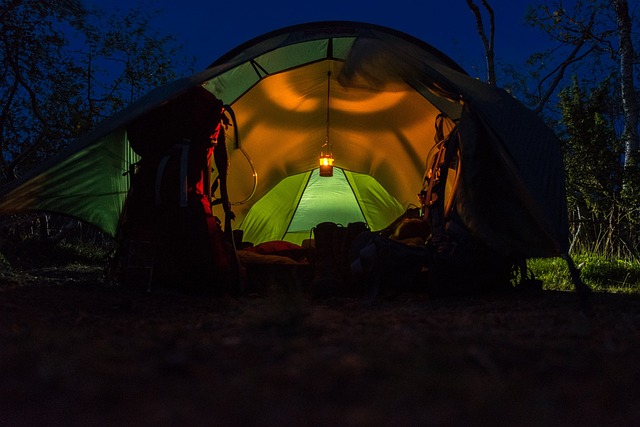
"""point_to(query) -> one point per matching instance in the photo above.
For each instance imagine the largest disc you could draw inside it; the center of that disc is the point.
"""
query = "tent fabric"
(367, 93)
(530, 152)
(90, 184)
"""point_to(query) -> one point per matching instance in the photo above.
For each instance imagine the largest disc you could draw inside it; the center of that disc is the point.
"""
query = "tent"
(366, 95)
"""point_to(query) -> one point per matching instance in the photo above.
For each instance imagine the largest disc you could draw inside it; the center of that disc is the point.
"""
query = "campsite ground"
(75, 351)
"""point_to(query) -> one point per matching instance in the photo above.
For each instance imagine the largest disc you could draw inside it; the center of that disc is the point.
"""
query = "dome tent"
(368, 93)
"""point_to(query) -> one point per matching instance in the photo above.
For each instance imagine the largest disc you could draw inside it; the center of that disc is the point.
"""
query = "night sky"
(208, 29)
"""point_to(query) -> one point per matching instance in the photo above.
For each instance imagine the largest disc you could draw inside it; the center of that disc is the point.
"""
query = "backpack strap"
(183, 151)
(433, 197)
(221, 158)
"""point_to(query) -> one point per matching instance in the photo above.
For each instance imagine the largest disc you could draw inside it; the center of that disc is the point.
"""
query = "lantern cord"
(237, 146)
(255, 179)
(327, 143)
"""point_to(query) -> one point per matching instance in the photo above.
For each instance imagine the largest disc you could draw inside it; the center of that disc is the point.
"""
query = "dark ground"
(75, 351)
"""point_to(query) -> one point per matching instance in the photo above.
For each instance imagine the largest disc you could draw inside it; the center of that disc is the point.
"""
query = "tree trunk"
(487, 42)
(629, 98)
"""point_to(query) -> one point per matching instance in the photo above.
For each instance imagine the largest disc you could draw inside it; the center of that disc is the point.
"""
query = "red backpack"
(169, 203)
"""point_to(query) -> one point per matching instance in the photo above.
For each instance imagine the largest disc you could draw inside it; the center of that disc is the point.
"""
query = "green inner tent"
(299, 202)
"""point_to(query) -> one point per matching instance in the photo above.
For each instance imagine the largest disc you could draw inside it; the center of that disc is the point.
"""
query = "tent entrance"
(291, 209)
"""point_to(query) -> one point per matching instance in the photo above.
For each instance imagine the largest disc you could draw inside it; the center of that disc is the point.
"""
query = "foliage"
(601, 273)
(63, 69)
(591, 147)
(603, 216)
(603, 197)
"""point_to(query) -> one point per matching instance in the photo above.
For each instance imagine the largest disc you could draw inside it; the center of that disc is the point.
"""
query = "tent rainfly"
(368, 96)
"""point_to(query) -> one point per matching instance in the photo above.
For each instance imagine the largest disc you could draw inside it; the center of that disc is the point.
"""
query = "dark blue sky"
(208, 29)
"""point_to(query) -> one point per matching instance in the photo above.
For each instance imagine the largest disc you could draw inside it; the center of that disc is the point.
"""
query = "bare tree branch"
(35, 107)
(559, 74)
(587, 33)
(3, 120)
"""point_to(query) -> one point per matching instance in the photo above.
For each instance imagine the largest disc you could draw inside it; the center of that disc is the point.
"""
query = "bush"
(37, 253)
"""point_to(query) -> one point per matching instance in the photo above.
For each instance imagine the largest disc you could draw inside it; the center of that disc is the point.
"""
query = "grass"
(601, 273)
(35, 253)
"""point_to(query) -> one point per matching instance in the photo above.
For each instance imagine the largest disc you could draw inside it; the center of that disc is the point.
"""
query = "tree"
(575, 35)
(627, 87)
(591, 147)
(578, 33)
(592, 41)
(487, 41)
(603, 220)
(64, 68)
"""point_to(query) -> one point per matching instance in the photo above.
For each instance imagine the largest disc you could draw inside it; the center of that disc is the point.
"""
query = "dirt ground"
(75, 351)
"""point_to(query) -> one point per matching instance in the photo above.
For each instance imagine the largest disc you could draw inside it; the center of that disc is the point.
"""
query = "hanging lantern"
(326, 164)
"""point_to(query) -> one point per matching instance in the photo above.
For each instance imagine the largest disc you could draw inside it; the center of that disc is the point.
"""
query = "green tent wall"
(369, 93)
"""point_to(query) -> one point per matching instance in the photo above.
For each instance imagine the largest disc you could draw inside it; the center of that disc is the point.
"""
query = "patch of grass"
(36, 253)
(601, 273)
